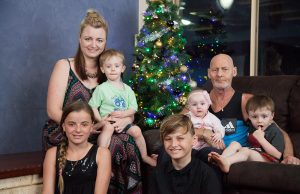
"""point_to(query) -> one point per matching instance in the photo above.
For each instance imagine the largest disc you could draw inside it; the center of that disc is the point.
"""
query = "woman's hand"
(97, 126)
(118, 114)
(118, 123)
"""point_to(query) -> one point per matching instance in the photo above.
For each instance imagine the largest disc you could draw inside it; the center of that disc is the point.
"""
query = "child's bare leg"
(256, 156)
(243, 154)
(105, 135)
(231, 149)
(136, 133)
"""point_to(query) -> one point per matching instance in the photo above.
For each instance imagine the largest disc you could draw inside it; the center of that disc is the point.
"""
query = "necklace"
(91, 75)
(74, 164)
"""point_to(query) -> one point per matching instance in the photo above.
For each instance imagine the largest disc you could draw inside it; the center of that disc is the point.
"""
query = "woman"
(75, 79)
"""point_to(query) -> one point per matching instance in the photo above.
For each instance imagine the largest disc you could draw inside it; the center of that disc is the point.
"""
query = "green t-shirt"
(110, 98)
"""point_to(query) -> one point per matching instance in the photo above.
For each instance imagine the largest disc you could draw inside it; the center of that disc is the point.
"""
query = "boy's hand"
(259, 134)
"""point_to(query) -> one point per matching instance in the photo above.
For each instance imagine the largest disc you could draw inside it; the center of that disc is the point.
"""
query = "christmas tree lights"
(160, 74)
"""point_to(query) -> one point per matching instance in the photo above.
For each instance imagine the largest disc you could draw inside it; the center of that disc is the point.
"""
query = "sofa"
(258, 177)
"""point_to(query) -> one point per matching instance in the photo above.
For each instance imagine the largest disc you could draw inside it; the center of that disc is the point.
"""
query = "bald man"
(229, 105)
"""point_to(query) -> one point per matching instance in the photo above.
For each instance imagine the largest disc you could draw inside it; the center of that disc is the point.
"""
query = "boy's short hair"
(173, 122)
(107, 54)
(260, 101)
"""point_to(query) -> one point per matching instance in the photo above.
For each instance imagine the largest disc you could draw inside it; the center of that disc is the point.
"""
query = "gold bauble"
(182, 100)
(158, 43)
(183, 68)
(135, 66)
(193, 83)
(171, 40)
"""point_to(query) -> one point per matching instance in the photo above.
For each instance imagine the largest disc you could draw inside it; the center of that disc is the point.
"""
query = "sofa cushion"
(279, 178)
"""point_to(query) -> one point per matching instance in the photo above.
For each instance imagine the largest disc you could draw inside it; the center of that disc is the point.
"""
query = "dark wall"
(34, 34)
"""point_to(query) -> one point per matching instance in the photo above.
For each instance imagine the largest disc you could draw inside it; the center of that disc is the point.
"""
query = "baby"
(198, 102)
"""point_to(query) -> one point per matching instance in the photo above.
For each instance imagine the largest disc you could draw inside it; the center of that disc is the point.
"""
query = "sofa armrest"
(280, 178)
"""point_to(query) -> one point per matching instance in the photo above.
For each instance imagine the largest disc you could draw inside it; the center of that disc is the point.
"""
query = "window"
(279, 37)
(211, 28)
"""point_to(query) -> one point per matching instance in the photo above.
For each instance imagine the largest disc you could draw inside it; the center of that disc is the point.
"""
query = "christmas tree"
(205, 39)
(160, 76)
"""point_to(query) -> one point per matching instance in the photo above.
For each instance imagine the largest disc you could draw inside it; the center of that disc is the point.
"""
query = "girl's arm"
(103, 159)
(267, 146)
(57, 89)
(100, 121)
(49, 171)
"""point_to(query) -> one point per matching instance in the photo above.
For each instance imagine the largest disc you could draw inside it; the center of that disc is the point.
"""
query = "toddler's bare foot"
(220, 161)
(154, 156)
(152, 161)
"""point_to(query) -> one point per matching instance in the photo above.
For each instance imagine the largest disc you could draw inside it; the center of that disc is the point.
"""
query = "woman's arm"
(49, 171)
(57, 89)
(123, 113)
(104, 171)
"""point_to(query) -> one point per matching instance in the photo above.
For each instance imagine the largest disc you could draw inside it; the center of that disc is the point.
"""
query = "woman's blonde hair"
(62, 148)
(95, 19)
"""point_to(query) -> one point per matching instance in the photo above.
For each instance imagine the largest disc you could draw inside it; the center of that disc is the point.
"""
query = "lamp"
(225, 4)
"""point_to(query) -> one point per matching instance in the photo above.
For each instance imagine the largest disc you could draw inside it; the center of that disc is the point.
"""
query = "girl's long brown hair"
(62, 148)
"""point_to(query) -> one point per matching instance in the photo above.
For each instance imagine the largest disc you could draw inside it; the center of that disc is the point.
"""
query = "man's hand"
(207, 136)
(290, 160)
(216, 137)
